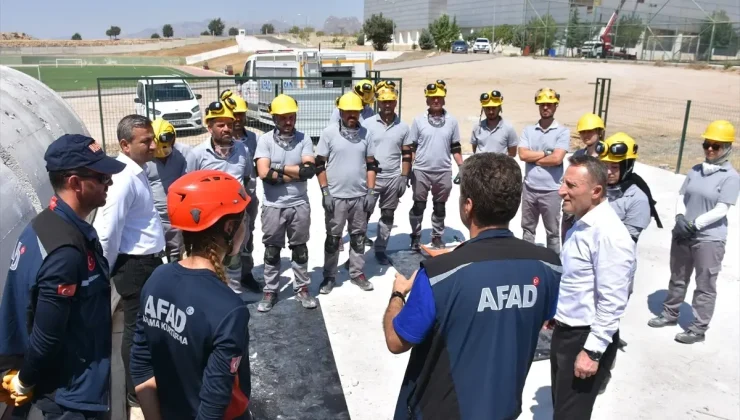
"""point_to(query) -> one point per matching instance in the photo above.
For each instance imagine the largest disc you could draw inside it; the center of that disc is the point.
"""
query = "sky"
(91, 18)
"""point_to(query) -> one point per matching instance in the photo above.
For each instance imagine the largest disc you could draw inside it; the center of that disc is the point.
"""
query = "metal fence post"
(218, 89)
(683, 136)
(100, 112)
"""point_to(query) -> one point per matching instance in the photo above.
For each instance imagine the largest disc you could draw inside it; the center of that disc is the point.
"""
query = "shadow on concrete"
(542, 410)
(655, 304)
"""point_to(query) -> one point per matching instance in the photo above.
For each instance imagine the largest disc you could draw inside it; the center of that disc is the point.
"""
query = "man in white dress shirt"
(598, 259)
(130, 229)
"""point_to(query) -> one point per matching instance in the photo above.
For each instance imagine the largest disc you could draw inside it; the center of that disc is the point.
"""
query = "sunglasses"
(102, 178)
(714, 146)
(167, 137)
(616, 149)
(485, 97)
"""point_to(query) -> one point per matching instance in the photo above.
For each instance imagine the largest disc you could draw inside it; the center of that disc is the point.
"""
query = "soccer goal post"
(69, 62)
(33, 70)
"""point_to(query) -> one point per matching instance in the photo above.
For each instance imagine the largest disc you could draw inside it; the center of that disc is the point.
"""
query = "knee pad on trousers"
(331, 245)
(418, 208)
(272, 255)
(386, 216)
(357, 242)
(300, 253)
(439, 210)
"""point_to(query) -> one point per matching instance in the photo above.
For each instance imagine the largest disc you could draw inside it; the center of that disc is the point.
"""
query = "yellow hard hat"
(590, 122)
(546, 96)
(350, 102)
(365, 90)
(491, 99)
(164, 137)
(387, 94)
(220, 109)
(721, 131)
(283, 104)
(617, 148)
(438, 88)
(241, 104)
(385, 84)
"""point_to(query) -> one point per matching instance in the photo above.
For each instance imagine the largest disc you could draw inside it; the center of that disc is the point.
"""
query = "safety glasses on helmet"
(616, 149)
(438, 85)
(386, 84)
(216, 108)
(227, 99)
(167, 137)
(709, 145)
(365, 88)
(485, 97)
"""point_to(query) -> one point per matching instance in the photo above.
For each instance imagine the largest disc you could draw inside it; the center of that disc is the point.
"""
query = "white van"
(170, 99)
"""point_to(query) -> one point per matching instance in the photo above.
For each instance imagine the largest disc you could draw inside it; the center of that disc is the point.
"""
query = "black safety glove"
(328, 201)
(684, 229)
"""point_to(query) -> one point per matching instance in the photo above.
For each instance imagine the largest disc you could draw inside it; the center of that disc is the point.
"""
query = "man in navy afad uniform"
(474, 314)
(55, 316)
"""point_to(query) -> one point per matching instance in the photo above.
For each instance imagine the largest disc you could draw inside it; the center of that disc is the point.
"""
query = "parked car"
(171, 99)
(459, 47)
(482, 45)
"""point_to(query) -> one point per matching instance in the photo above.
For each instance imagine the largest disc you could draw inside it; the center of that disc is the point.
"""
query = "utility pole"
(493, 28)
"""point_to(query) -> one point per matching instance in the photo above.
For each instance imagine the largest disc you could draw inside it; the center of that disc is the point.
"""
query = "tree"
(444, 32)
(206, 33)
(505, 34)
(360, 40)
(113, 32)
(426, 40)
(216, 27)
(379, 30)
(233, 31)
(320, 33)
(541, 33)
(167, 31)
(267, 28)
(576, 34)
(155, 36)
(627, 31)
(309, 29)
(724, 38)
(76, 36)
(294, 30)
(304, 36)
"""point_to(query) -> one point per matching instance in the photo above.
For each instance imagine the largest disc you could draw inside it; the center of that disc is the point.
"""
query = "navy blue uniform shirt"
(192, 336)
(474, 316)
(56, 313)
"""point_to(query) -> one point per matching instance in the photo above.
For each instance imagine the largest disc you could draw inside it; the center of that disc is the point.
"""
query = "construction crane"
(601, 45)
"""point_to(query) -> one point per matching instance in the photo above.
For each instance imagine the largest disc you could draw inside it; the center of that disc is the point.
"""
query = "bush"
(426, 41)
(155, 36)
(379, 31)
(414, 47)
(320, 33)
(76, 36)
(360, 39)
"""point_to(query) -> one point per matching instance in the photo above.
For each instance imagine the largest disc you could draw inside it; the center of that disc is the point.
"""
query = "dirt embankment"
(30, 42)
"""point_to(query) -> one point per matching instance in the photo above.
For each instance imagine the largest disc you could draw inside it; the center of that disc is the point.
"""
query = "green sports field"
(69, 78)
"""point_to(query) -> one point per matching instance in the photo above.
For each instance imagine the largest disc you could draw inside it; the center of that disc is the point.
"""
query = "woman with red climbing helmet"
(189, 359)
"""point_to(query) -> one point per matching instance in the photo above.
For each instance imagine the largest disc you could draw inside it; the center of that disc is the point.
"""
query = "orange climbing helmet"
(197, 200)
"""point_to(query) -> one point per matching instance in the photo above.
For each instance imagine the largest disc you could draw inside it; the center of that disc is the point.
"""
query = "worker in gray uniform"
(285, 163)
(346, 168)
(393, 152)
(494, 134)
(543, 147)
(249, 139)
(168, 165)
(436, 137)
(365, 90)
(221, 152)
(700, 233)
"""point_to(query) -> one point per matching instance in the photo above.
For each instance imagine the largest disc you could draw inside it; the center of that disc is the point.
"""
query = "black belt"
(568, 327)
(159, 255)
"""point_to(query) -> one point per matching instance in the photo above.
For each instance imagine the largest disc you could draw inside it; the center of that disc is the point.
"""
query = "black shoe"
(269, 299)
(327, 285)
(132, 400)
(361, 282)
(689, 337)
(437, 242)
(381, 258)
(250, 283)
(416, 242)
(368, 242)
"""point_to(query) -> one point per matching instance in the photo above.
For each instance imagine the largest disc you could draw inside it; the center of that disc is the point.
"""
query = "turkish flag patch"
(234, 365)
(67, 289)
(90, 261)
(536, 281)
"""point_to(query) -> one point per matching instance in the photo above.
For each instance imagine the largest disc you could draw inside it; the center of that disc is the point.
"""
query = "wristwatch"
(398, 295)
(593, 355)
(548, 152)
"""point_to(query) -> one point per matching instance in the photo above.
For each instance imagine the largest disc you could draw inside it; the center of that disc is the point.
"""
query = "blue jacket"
(55, 316)
(192, 336)
(474, 316)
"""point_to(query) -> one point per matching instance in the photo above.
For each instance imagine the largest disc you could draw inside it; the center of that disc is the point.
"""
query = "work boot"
(268, 301)
(361, 282)
(307, 301)
(661, 321)
(437, 242)
(368, 242)
(248, 282)
(381, 258)
(689, 337)
(132, 400)
(327, 285)
(416, 242)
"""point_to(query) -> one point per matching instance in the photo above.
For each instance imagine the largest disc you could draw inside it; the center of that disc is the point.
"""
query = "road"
(435, 61)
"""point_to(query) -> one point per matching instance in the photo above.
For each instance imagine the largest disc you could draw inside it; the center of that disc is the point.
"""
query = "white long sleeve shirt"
(598, 262)
(129, 223)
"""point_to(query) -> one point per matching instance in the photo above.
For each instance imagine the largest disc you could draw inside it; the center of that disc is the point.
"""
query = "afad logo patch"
(234, 365)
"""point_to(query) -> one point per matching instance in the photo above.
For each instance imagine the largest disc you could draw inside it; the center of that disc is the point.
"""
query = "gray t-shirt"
(388, 142)
(346, 167)
(544, 178)
(237, 164)
(702, 193)
(293, 193)
(250, 141)
(496, 140)
(161, 173)
(367, 112)
(632, 207)
(433, 143)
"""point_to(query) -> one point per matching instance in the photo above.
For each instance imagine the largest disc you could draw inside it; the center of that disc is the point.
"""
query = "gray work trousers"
(246, 252)
(352, 212)
(173, 242)
(295, 222)
(387, 188)
(234, 271)
(440, 185)
(706, 259)
(546, 204)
